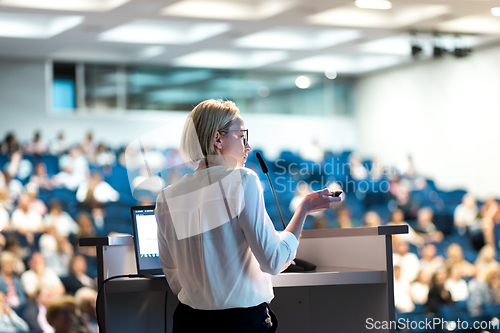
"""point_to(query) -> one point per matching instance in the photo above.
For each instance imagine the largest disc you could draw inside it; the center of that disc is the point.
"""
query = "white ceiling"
(295, 35)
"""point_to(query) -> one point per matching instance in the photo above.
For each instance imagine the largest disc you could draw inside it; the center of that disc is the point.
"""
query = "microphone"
(297, 265)
(264, 168)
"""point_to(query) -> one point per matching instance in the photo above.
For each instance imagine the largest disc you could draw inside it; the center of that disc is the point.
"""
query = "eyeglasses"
(245, 138)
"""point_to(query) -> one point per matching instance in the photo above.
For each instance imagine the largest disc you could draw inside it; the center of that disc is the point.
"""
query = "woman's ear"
(218, 141)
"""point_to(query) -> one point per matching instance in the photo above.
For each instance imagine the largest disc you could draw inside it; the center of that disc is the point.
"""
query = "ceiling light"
(403, 15)
(35, 25)
(347, 64)
(331, 74)
(73, 5)
(151, 52)
(495, 11)
(302, 82)
(163, 32)
(229, 59)
(228, 10)
(297, 39)
(373, 4)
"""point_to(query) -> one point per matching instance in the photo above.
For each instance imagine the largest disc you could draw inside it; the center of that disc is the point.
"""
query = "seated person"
(10, 284)
(397, 218)
(39, 276)
(34, 311)
(484, 292)
(425, 228)
(9, 320)
(61, 314)
(455, 256)
(27, 221)
(78, 277)
(61, 220)
(372, 219)
(438, 295)
(86, 302)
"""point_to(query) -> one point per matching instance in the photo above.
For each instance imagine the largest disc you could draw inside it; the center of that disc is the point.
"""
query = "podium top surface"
(314, 233)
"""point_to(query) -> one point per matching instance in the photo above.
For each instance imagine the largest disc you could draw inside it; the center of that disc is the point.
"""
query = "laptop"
(145, 232)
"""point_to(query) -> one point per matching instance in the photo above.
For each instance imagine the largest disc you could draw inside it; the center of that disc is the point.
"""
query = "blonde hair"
(206, 119)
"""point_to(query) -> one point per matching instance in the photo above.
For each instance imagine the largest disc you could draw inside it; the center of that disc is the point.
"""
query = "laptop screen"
(146, 240)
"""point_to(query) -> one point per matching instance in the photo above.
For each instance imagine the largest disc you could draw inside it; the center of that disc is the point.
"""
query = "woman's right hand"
(318, 201)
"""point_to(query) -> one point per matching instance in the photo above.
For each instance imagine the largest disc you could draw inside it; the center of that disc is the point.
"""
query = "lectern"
(351, 287)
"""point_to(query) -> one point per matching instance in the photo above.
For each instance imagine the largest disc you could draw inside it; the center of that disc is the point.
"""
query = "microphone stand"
(297, 265)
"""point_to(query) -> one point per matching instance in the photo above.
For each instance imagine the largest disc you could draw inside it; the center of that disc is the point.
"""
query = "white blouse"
(217, 244)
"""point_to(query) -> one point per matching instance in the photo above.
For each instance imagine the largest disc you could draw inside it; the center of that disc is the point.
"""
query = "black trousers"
(257, 319)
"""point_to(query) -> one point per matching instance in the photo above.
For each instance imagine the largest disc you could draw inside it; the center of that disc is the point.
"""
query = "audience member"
(409, 262)
(9, 145)
(37, 146)
(426, 228)
(59, 146)
(455, 256)
(78, 277)
(438, 295)
(61, 220)
(86, 230)
(94, 192)
(372, 219)
(13, 245)
(402, 296)
(4, 219)
(466, 215)
(61, 315)
(358, 170)
(27, 221)
(10, 284)
(483, 292)
(89, 146)
(5, 202)
(35, 311)
(86, 299)
(57, 252)
(35, 204)
(429, 260)
(39, 276)
(9, 320)
(344, 217)
(457, 286)
(397, 218)
(18, 166)
(75, 169)
(41, 178)
(419, 289)
(312, 152)
(485, 261)
(14, 188)
(104, 157)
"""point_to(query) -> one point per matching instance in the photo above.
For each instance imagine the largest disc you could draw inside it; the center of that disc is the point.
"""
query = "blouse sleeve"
(271, 249)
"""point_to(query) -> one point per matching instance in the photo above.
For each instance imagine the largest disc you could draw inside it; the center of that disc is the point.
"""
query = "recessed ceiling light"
(77, 5)
(495, 11)
(373, 4)
(331, 74)
(163, 32)
(402, 16)
(297, 39)
(345, 64)
(35, 25)
(230, 59)
(302, 82)
(481, 24)
(228, 10)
